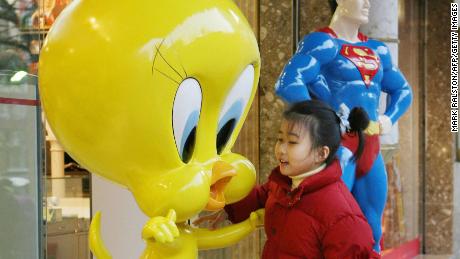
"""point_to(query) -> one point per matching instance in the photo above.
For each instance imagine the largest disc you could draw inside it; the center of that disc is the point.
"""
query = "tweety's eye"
(186, 113)
(234, 106)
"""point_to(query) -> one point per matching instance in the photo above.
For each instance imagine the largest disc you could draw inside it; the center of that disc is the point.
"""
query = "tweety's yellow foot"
(96, 245)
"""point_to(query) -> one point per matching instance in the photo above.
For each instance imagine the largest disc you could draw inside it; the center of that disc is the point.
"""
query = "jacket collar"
(328, 175)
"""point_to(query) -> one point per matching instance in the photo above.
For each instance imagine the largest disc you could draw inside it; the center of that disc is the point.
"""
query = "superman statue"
(344, 68)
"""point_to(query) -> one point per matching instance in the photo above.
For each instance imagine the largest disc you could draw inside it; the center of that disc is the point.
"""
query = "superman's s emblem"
(364, 59)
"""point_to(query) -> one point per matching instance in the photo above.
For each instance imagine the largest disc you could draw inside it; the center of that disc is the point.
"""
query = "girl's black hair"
(333, 5)
(359, 120)
(323, 125)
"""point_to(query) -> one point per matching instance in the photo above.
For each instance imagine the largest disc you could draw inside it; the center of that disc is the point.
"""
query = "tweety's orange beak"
(222, 173)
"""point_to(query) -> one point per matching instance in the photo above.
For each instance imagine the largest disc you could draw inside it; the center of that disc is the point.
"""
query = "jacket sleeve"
(301, 75)
(241, 210)
(349, 237)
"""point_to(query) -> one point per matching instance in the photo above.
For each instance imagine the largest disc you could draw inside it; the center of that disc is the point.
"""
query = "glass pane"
(20, 205)
(68, 214)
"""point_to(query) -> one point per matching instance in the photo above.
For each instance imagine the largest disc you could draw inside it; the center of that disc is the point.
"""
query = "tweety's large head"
(151, 94)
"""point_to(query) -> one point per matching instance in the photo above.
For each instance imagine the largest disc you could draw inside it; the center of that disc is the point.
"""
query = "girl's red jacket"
(319, 219)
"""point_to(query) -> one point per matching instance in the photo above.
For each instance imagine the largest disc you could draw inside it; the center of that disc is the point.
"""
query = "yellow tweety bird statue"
(151, 94)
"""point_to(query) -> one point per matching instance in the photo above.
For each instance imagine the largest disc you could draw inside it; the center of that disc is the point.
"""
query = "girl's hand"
(213, 219)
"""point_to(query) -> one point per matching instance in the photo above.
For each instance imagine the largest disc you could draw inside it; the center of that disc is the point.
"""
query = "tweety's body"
(190, 241)
(151, 94)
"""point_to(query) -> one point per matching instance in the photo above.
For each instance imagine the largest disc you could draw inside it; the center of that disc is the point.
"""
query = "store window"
(41, 187)
(21, 224)
(20, 203)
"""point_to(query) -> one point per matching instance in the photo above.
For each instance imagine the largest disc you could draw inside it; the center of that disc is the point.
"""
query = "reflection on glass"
(71, 201)
(19, 173)
(68, 203)
(68, 213)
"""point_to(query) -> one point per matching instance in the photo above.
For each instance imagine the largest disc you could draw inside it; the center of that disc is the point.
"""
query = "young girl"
(309, 212)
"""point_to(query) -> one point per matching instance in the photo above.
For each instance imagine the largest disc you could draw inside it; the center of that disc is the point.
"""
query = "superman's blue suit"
(348, 75)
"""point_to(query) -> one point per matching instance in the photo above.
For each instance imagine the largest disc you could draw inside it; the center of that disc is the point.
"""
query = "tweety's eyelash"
(186, 75)
(164, 74)
(158, 52)
(161, 55)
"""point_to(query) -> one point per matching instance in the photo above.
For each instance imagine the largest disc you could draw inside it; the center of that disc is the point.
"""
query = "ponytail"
(333, 5)
(359, 120)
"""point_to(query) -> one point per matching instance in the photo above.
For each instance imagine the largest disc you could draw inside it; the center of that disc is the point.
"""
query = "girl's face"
(294, 150)
(357, 10)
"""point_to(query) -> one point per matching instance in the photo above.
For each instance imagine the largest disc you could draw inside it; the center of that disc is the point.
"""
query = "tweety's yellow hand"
(257, 218)
(161, 229)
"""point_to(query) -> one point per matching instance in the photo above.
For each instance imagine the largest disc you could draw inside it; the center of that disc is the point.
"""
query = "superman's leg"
(370, 191)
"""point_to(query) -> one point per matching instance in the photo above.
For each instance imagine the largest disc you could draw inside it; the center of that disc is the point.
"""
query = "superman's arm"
(394, 84)
(301, 75)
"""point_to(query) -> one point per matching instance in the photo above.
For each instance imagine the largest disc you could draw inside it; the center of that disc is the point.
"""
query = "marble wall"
(276, 47)
(438, 139)
(313, 14)
(456, 228)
